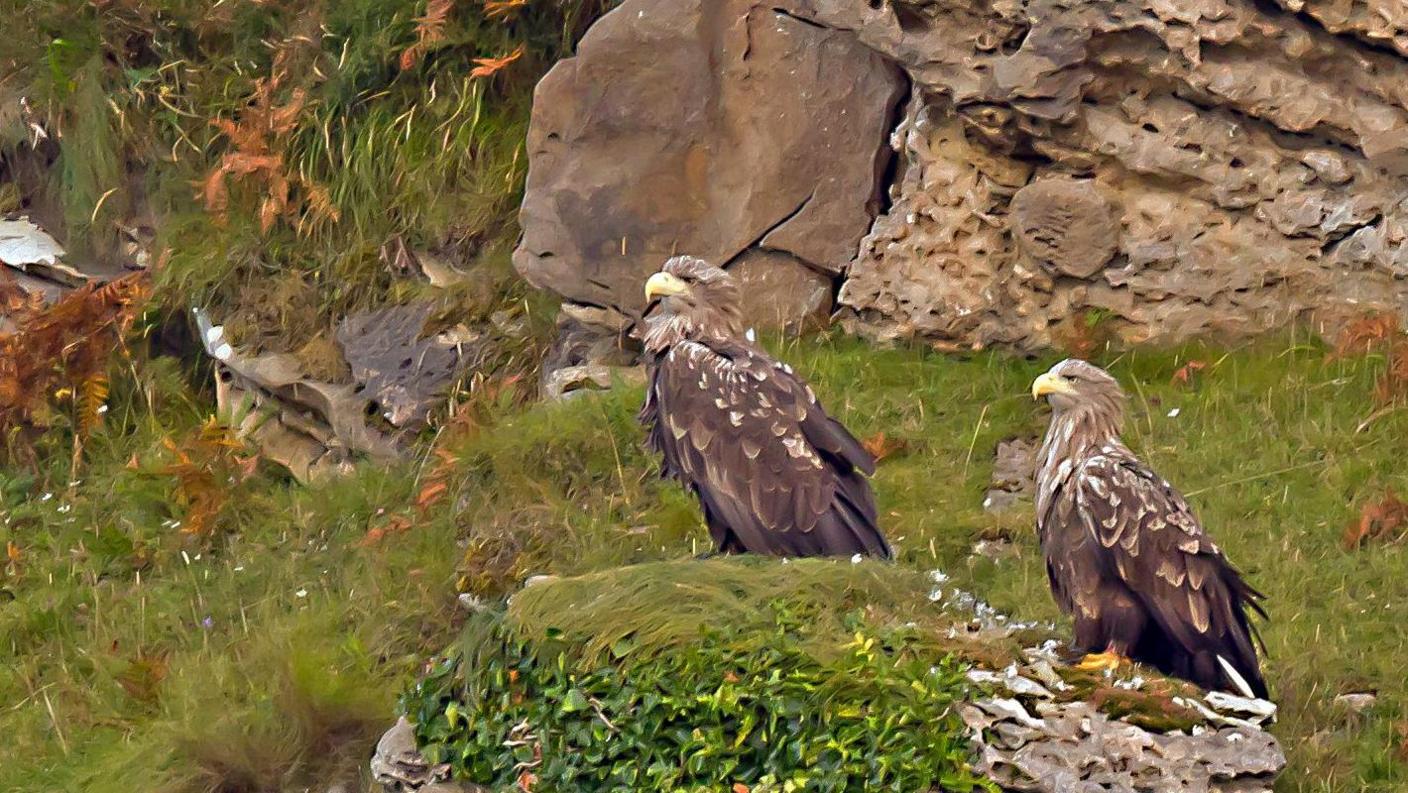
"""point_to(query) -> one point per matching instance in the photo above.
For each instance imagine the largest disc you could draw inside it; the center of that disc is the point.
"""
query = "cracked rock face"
(724, 130)
(1204, 168)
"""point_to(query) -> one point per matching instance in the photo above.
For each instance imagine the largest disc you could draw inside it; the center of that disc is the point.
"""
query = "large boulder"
(710, 128)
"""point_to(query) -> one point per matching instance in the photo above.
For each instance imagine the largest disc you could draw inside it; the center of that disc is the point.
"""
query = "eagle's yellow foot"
(1099, 662)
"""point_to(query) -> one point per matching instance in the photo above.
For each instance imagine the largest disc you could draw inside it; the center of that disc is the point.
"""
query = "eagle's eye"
(1070, 378)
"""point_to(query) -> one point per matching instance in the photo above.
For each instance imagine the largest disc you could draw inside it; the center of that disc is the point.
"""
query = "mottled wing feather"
(1075, 565)
(1151, 540)
(767, 462)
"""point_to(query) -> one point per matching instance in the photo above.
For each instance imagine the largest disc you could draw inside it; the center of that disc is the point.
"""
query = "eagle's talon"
(1101, 662)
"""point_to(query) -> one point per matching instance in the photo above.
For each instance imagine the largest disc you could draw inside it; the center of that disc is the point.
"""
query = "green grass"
(284, 642)
(131, 94)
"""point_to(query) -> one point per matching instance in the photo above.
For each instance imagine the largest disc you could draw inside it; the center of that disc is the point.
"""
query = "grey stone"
(1358, 701)
(780, 291)
(398, 766)
(401, 370)
(995, 501)
(576, 380)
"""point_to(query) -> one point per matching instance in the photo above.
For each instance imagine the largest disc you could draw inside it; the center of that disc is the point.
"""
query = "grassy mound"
(701, 676)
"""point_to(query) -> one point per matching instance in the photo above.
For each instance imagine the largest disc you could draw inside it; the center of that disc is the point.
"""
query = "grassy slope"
(310, 636)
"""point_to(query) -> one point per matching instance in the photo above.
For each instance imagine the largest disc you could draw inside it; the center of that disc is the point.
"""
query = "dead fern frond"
(430, 31)
(257, 140)
(1382, 520)
(63, 351)
(204, 466)
(1379, 333)
(92, 402)
(502, 10)
(488, 67)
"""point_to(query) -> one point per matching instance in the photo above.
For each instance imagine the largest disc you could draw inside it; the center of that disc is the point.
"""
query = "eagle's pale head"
(1074, 384)
(690, 298)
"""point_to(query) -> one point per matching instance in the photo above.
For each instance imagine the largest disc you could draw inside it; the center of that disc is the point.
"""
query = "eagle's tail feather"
(1236, 678)
(850, 523)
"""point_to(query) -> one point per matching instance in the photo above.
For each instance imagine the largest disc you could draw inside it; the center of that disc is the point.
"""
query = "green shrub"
(783, 701)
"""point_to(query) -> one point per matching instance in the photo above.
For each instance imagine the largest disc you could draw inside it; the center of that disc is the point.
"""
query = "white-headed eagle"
(774, 474)
(1126, 557)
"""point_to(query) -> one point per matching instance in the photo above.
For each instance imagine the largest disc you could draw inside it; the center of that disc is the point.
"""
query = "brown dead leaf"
(488, 67)
(1363, 335)
(1381, 520)
(142, 677)
(430, 494)
(13, 552)
(881, 446)
(739, 787)
(15, 299)
(283, 119)
(1184, 375)
(396, 524)
(526, 781)
(214, 194)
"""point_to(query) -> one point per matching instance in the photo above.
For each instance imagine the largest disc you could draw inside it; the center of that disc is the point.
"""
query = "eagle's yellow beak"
(1049, 384)
(663, 285)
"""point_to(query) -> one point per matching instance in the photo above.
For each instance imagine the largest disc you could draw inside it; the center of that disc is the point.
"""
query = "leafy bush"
(769, 705)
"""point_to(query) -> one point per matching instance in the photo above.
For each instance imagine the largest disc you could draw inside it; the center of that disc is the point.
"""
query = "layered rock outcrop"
(1207, 168)
(1247, 166)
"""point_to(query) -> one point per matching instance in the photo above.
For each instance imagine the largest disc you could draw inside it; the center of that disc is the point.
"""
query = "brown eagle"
(774, 474)
(1125, 556)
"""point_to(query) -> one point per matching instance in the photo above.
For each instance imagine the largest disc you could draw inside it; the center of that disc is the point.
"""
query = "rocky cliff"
(978, 173)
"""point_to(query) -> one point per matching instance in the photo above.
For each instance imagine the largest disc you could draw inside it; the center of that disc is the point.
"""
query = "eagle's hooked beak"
(663, 285)
(1049, 383)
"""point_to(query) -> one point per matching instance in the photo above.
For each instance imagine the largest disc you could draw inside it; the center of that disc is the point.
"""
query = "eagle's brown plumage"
(1125, 555)
(773, 473)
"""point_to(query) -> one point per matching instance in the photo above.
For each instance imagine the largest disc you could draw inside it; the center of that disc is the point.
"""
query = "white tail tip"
(1237, 679)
